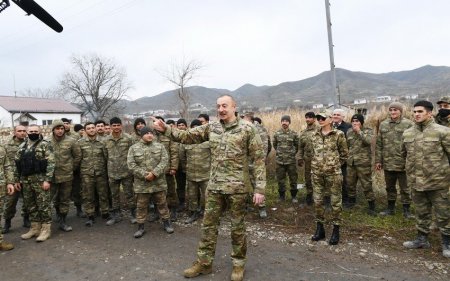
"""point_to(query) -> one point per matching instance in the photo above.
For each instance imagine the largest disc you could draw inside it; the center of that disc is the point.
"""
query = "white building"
(383, 98)
(360, 101)
(317, 105)
(39, 111)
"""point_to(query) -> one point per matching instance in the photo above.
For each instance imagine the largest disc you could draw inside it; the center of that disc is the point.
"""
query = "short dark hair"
(204, 116)
(66, 120)
(160, 118)
(139, 120)
(426, 104)
(310, 114)
(257, 119)
(195, 123)
(182, 121)
(100, 121)
(170, 121)
(89, 123)
(77, 127)
(115, 120)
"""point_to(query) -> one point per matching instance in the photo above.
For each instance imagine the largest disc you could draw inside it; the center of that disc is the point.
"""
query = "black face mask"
(444, 112)
(33, 137)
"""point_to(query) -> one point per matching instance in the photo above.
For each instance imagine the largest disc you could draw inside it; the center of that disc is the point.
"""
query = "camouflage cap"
(444, 100)
(325, 113)
(57, 123)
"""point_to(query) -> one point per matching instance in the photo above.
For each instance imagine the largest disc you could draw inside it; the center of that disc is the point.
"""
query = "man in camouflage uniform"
(6, 186)
(79, 131)
(359, 163)
(180, 176)
(67, 127)
(267, 147)
(100, 127)
(117, 145)
(197, 158)
(94, 179)
(388, 157)
(329, 152)
(443, 116)
(148, 159)
(76, 182)
(426, 147)
(234, 144)
(285, 143)
(35, 163)
(11, 147)
(304, 156)
(67, 159)
(139, 123)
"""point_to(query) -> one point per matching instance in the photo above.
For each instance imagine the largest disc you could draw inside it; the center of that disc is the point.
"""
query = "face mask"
(33, 137)
(444, 112)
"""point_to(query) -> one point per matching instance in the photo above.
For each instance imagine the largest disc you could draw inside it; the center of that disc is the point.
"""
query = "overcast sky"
(262, 42)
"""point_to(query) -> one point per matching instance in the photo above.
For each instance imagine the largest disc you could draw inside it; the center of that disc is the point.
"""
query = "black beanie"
(195, 123)
(78, 127)
(137, 121)
(146, 130)
(286, 117)
(428, 105)
(358, 117)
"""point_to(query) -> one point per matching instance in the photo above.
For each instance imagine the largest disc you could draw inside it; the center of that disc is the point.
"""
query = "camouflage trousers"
(364, 175)
(172, 198)
(76, 195)
(37, 200)
(127, 186)
(181, 185)
(159, 198)
(308, 182)
(196, 194)
(2, 200)
(94, 187)
(10, 203)
(215, 202)
(291, 171)
(424, 202)
(253, 184)
(61, 196)
(391, 178)
(333, 183)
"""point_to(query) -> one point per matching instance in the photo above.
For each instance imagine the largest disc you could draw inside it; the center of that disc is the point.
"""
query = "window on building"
(47, 122)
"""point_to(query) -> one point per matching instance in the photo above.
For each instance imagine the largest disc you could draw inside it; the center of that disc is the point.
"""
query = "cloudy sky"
(262, 42)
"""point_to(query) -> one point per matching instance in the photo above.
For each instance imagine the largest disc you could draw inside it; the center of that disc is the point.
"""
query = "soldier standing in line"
(11, 147)
(204, 118)
(234, 143)
(180, 176)
(6, 186)
(148, 159)
(67, 160)
(329, 152)
(67, 123)
(426, 147)
(100, 127)
(198, 163)
(388, 156)
(108, 129)
(94, 179)
(76, 182)
(285, 143)
(267, 146)
(139, 123)
(117, 145)
(359, 163)
(443, 116)
(35, 166)
(304, 159)
(79, 131)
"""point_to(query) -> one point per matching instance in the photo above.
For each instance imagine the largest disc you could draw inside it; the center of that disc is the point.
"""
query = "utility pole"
(335, 90)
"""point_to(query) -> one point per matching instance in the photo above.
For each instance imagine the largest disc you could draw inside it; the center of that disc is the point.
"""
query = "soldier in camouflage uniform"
(267, 147)
(180, 176)
(329, 152)
(148, 160)
(234, 144)
(76, 182)
(67, 159)
(79, 131)
(285, 143)
(6, 186)
(117, 145)
(443, 116)
(426, 147)
(67, 127)
(389, 158)
(359, 163)
(35, 163)
(100, 127)
(139, 123)
(94, 179)
(11, 147)
(304, 156)
(197, 158)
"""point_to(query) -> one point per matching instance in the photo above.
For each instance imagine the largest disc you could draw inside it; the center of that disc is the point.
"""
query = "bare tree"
(179, 74)
(47, 93)
(97, 84)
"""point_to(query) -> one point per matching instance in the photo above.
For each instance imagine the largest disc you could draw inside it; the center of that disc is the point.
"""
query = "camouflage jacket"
(67, 158)
(304, 138)
(198, 161)
(286, 146)
(44, 151)
(265, 138)
(389, 144)
(6, 170)
(93, 157)
(117, 151)
(359, 147)
(426, 148)
(328, 152)
(144, 158)
(233, 147)
(172, 151)
(11, 147)
(443, 121)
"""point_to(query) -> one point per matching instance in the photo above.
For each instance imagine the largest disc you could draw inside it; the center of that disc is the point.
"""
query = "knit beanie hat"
(358, 117)
(146, 130)
(286, 118)
(397, 105)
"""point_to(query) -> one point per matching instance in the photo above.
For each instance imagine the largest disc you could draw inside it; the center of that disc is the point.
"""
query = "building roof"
(41, 105)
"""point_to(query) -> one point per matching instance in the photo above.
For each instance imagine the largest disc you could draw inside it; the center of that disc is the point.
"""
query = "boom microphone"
(32, 8)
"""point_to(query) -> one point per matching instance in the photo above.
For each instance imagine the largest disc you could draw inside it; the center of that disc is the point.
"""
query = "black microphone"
(32, 8)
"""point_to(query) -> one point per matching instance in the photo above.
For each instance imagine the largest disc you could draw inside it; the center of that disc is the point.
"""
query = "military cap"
(57, 123)
(146, 130)
(325, 113)
(444, 100)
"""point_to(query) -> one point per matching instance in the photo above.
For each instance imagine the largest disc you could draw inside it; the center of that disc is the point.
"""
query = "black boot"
(282, 196)
(193, 217)
(168, 226)
(390, 211)
(372, 211)
(140, 232)
(62, 224)
(320, 232)
(420, 242)
(26, 221)
(90, 221)
(57, 215)
(294, 195)
(351, 202)
(309, 199)
(114, 218)
(154, 216)
(334, 239)
(80, 212)
(7, 226)
(173, 214)
(133, 216)
(406, 212)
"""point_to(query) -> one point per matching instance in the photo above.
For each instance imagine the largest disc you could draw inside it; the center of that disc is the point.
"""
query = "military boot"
(26, 221)
(114, 218)
(173, 214)
(406, 212)
(168, 226)
(351, 202)
(282, 196)
(63, 225)
(334, 239)
(140, 232)
(420, 242)
(90, 222)
(446, 245)
(320, 232)
(80, 212)
(193, 217)
(154, 216)
(371, 211)
(45, 232)
(238, 273)
(262, 213)
(309, 199)
(6, 226)
(5, 246)
(35, 230)
(133, 216)
(57, 215)
(390, 211)
(294, 196)
(196, 269)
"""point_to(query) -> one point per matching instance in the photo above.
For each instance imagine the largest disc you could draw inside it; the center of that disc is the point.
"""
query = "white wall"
(5, 118)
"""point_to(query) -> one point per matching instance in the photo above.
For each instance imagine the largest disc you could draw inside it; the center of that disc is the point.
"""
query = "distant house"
(26, 111)
(317, 105)
(412, 97)
(383, 98)
(360, 101)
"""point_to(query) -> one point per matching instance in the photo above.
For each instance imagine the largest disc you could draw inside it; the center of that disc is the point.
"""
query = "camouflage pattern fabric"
(60, 194)
(285, 143)
(95, 186)
(196, 190)
(172, 152)
(444, 121)
(127, 187)
(93, 157)
(67, 158)
(143, 199)
(43, 151)
(6, 177)
(334, 184)
(291, 171)
(364, 175)
(391, 178)
(198, 161)
(76, 195)
(265, 138)
(117, 151)
(424, 201)
(305, 155)
(172, 197)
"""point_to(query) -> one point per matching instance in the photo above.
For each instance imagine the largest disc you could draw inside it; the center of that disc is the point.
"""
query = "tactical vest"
(28, 164)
